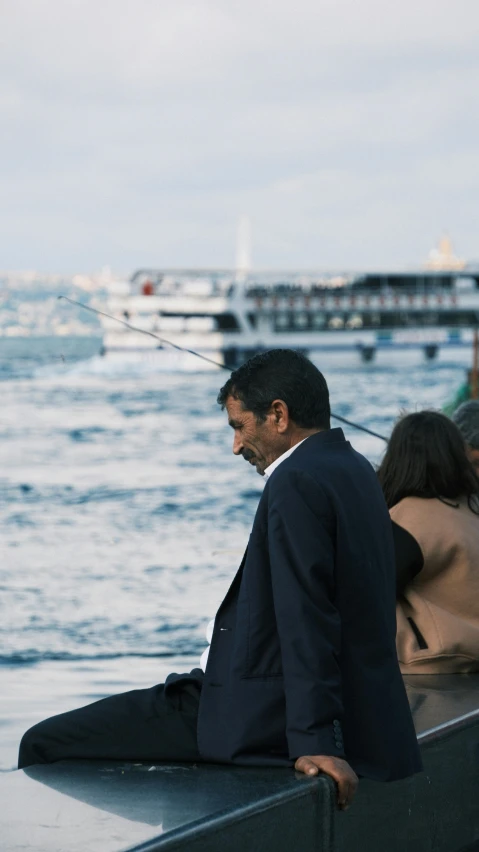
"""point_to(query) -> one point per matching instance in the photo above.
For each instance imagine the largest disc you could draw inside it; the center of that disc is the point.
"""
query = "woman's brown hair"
(426, 457)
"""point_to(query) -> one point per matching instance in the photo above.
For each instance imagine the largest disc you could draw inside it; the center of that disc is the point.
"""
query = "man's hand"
(337, 768)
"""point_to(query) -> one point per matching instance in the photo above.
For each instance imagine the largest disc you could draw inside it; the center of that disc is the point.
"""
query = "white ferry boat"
(228, 316)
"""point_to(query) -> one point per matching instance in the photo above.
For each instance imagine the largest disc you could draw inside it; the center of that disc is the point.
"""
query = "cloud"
(137, 134)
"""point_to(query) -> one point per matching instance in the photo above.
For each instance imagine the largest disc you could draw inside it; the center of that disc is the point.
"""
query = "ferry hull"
(437, 344)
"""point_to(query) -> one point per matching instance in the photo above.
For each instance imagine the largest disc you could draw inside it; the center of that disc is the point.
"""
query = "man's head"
(274, 401)
(466, 418)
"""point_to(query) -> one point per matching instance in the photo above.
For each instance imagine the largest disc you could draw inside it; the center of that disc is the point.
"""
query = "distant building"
(443, 256)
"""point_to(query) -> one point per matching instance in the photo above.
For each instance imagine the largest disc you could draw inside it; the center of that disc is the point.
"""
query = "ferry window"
(301, 319)
(387, 319)
(355, 321)
(226, 322)
(391, 319)
(466, 283)
(438, 281)
(372, 282)
(282, 320)
(458, 318)
(318, 320)
(336, 322)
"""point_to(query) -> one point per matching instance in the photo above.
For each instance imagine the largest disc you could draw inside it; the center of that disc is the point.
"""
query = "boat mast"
(243, 250)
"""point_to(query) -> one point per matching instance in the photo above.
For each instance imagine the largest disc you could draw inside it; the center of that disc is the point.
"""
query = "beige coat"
(443, 599)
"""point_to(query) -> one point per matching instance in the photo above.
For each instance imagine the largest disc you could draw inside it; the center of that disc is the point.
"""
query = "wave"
(28, 658)
(125, 365)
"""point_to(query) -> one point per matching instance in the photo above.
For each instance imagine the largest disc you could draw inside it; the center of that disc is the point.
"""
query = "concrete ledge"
(108, 807)
(88, 805)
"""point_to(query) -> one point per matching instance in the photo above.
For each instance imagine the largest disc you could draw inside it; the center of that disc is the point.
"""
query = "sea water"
(124, 514)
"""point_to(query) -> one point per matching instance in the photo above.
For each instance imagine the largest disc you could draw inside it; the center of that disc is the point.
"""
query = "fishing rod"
(165, 342)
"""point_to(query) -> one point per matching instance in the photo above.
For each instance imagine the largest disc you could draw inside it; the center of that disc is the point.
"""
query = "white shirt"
(269, 470)
(267, 473)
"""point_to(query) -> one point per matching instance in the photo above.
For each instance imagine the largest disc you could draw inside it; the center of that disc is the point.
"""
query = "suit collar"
(329, 436)
(272, 467)
(311, 444)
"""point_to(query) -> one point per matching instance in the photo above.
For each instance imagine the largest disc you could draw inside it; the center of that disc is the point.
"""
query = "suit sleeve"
(302, 559)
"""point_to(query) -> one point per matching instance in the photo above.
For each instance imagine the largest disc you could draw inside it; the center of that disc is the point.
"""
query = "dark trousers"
(154, 724)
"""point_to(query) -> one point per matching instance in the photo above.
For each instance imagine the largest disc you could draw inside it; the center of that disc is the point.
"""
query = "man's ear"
(280, 413)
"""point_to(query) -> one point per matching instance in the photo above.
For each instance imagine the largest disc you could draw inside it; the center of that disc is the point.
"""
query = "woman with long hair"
(431, 491)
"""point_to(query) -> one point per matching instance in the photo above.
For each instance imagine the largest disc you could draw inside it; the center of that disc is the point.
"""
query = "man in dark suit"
(302, 669)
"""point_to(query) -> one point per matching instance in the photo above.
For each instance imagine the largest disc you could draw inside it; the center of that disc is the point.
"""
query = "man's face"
(473, 456)
(260, 443)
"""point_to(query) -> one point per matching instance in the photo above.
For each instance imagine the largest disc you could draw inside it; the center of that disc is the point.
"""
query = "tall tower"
(243, 249)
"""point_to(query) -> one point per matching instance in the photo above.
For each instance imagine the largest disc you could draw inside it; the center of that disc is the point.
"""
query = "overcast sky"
(136, 132)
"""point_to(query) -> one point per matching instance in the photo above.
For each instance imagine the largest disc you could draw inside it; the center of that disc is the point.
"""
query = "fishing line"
(165, 342)
(144, 331)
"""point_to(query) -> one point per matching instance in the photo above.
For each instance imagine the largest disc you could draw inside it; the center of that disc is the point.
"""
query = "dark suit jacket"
(303, 655)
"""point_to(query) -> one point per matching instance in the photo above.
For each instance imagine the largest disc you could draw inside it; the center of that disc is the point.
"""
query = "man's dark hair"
(426, 457)
(281, 374)
(466, 418)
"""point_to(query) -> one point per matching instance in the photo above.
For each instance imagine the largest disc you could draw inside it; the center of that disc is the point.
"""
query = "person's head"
(426, 457)
(273, 401)
(466, 418)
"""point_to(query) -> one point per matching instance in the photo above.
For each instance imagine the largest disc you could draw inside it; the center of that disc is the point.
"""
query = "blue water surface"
(124, 514)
